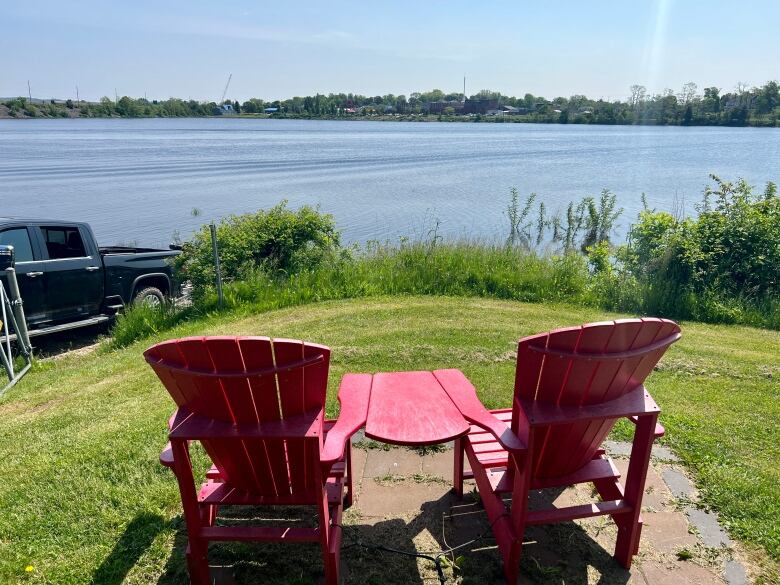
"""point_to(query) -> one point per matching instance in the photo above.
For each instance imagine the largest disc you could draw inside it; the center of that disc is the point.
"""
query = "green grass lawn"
(84, 500)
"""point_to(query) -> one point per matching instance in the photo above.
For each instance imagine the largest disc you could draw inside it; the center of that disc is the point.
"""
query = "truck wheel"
(149, 296)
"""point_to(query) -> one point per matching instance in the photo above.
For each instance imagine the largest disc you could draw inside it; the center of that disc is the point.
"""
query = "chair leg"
(197, 549)
(348, 470)
(332, 560)
(512, 564)
(198, 564)
(610, 489)
(628, 534)
(457, 480)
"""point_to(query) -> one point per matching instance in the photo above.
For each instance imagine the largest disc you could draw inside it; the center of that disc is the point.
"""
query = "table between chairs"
(423, 408)
(413, 409)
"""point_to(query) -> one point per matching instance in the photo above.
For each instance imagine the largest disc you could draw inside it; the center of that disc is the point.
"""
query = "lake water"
(139, 180)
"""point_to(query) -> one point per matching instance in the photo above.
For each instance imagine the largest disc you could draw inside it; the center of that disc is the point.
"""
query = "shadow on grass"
(555, 554)
(135, 540)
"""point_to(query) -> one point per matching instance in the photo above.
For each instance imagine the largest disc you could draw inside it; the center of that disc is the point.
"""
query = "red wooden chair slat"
(231, 391)
(571, 386)
(291, 397)
(258, 353)
(315, 377)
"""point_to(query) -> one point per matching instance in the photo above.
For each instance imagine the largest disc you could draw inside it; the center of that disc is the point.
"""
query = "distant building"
(479, 106)
(227, 108)
(438, 107)
(271, 110)
(731, 102)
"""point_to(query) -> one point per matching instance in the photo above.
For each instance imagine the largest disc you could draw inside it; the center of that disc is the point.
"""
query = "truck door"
(73, 272)
(29, 274)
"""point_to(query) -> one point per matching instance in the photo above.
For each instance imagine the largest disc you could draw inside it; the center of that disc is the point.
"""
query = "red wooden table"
(420, 408)
(412, 408)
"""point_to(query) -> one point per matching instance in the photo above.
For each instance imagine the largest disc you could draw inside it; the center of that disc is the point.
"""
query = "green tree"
(711, 101)
(768, 98)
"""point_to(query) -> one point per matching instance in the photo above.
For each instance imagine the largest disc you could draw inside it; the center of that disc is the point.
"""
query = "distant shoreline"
(507, 119)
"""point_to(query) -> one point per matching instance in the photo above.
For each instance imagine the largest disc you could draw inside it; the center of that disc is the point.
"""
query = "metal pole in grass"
(217, 269)
(22, 335)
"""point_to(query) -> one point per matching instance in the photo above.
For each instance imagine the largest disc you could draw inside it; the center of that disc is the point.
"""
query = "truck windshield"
(20, 240)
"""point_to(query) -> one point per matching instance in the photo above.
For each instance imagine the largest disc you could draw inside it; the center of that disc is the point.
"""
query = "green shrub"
(721, 266)
(276, 240)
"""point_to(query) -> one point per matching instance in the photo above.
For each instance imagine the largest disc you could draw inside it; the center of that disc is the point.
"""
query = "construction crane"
(224, 93)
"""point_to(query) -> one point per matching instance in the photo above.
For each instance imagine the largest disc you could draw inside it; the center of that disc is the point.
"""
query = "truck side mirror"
(7, 259)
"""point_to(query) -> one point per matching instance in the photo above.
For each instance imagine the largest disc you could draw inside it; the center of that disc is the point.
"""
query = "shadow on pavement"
(554, 554)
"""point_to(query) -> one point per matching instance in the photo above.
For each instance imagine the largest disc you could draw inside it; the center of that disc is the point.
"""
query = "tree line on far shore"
(743, 106)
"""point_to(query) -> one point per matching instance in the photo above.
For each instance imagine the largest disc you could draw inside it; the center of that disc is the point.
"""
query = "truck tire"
(149, 296)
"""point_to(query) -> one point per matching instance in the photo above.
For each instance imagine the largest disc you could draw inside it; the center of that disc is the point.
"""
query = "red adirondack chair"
(257, 406)
(571, 386)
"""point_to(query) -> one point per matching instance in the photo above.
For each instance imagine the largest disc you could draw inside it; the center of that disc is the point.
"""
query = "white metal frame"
(6, 354)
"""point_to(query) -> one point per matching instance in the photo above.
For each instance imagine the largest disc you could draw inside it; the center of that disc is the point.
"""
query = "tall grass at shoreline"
(457, 269)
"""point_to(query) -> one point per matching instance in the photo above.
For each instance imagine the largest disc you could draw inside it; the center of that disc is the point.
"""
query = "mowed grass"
(84, 500)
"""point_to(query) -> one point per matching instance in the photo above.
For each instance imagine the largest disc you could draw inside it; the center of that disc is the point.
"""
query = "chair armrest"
(635, 403)
(354, 394)
(463, 394)
(166, 457)
(660, 431)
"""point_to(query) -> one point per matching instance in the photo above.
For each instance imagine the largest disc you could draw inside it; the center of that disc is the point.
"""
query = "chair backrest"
(585, 365)
(250, 380)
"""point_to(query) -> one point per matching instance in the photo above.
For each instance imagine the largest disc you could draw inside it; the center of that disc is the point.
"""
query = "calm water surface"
(139, 180)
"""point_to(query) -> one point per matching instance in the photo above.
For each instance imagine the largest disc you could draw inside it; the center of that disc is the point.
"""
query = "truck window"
(63, 242)
(20, 240)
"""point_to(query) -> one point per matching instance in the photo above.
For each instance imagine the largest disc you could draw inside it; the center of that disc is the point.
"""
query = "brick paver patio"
(404, 501)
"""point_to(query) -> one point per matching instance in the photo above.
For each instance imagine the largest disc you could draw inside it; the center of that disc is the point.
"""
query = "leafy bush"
(720, 266)
(276, 240)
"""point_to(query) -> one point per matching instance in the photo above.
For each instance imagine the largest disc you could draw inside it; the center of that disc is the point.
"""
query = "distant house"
(731, 102)
(227, 108)
(510, 110)
(271, 110)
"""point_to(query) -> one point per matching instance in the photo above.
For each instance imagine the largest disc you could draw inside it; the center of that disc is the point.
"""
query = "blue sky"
(281, 49)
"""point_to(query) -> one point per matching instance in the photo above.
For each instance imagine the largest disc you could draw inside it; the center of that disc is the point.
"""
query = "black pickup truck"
(66, 280)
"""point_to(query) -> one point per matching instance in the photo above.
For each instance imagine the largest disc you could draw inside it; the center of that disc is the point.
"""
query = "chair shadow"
(135, 540)
(552, 554)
